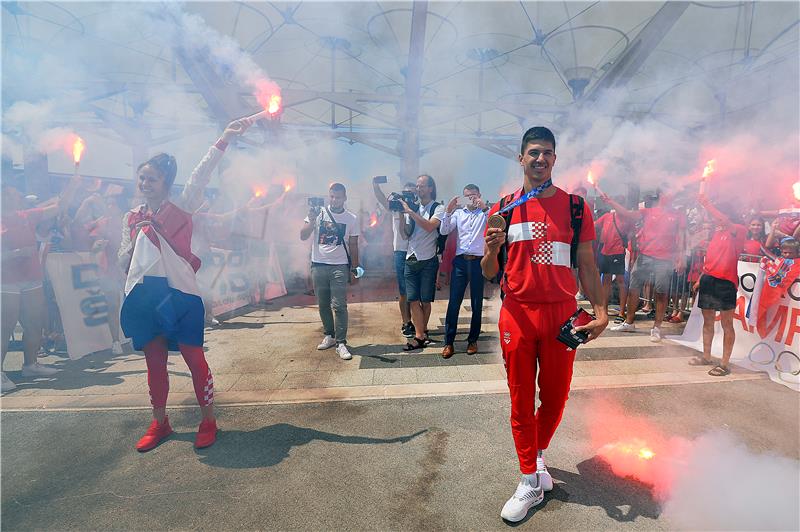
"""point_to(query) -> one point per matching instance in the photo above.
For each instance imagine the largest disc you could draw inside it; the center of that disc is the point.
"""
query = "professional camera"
(316, 203)
(409, 197)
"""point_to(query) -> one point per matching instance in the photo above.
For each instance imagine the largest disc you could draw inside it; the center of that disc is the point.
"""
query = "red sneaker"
(155, 434)
(206, 434)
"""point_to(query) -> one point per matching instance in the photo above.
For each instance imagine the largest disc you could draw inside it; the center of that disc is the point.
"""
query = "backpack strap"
(502, 256)
(622, 237)
(576, 204)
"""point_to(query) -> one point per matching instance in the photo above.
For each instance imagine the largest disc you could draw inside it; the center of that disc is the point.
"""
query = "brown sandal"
(719, 371)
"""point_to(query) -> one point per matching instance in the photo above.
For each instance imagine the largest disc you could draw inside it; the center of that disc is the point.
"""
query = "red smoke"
(635, 448)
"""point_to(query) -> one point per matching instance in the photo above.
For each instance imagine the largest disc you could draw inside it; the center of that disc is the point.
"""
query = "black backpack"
(576, 205)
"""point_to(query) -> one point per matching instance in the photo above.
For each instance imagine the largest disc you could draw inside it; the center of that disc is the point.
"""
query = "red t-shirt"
(752, 247)
(658, 237)
(539, 236)
(723, 253)
(18, 232)
(610, 234)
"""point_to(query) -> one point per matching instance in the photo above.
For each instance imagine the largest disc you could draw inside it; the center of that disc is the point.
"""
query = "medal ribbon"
(525, 197)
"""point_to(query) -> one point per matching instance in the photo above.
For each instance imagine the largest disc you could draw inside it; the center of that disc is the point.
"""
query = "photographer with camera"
(421, 226)
(334, 259)
(399, 242)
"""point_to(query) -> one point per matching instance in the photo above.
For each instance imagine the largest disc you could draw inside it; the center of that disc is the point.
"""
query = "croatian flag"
(161, 293)
(772, 282)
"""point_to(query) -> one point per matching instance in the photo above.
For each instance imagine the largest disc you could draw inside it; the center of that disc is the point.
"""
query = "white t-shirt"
(398, 242)
(325, 247)
(422, 243)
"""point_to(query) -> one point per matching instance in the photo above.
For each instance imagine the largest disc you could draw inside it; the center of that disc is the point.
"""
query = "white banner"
(235, 279)
(772, 346)
(81, 303)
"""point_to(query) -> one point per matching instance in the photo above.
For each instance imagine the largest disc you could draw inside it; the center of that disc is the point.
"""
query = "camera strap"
(340, 237)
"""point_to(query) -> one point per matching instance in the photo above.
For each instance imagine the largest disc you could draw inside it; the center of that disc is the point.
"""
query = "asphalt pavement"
(434, 463)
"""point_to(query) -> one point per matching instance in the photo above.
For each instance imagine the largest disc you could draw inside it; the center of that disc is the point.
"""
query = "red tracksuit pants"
(528, 340)
(155, 354)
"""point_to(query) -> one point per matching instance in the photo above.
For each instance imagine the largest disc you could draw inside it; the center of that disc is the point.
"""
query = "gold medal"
(496, 221)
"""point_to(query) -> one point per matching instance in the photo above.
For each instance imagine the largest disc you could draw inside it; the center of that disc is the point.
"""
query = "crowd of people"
(546, 249)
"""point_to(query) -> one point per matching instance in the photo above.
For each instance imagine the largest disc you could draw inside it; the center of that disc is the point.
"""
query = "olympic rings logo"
(785, 362)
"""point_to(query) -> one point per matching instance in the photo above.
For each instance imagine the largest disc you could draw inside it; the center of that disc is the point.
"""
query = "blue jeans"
(400, 270)
(421, 280)
(464, 272)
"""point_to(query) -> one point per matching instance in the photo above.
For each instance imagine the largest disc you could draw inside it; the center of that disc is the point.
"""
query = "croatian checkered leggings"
(155, 354)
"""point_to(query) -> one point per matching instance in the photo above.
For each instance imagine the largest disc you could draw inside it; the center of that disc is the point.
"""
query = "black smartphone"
(380, 179)
(568, 335)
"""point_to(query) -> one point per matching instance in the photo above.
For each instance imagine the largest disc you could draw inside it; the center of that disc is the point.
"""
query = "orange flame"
(711, 167)
(373, 220)
(634, 447)
(288, 186)
(274, 104)
(268, 94)
(258, 192)
(796, 190)
(590, 178)
(77, 149)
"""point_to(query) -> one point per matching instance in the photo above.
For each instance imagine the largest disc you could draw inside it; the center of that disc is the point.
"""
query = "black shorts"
(716, 294)
(612, 264)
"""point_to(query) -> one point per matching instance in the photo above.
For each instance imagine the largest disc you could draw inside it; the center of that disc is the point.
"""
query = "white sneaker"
(37, 370)
(526, 497)
(7, 384)
(545, 479)
(343, 352)
(116, 348)
(624, 327)
(655, 334)
(326, 342)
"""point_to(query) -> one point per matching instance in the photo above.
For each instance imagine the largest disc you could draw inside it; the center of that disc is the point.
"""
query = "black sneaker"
(408, 330)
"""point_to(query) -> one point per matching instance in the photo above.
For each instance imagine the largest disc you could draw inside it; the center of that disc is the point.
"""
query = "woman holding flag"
(163, 309)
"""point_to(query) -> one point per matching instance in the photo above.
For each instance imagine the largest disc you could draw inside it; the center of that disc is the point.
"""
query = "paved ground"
(411, 464)
(268, 355)
(388, 440)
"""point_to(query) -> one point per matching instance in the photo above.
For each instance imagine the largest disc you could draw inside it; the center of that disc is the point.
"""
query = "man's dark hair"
(338, 187)
(165, 165)
(537, 133)
(431, 183)
(473, 187)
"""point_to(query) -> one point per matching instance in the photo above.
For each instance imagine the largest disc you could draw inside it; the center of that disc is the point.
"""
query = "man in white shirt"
(422, 264)
(332, 262)
(400, 246)
(470, 222)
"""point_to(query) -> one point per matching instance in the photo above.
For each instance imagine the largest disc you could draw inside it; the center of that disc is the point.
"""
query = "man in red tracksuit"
(539, 292)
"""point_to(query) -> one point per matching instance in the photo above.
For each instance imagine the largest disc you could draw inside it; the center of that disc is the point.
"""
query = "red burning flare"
(373, 220)
(796, 190)
(590, 178)
(288, 186)
(77, 149)
(268, 95)
(711, 167)
(258, 192)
